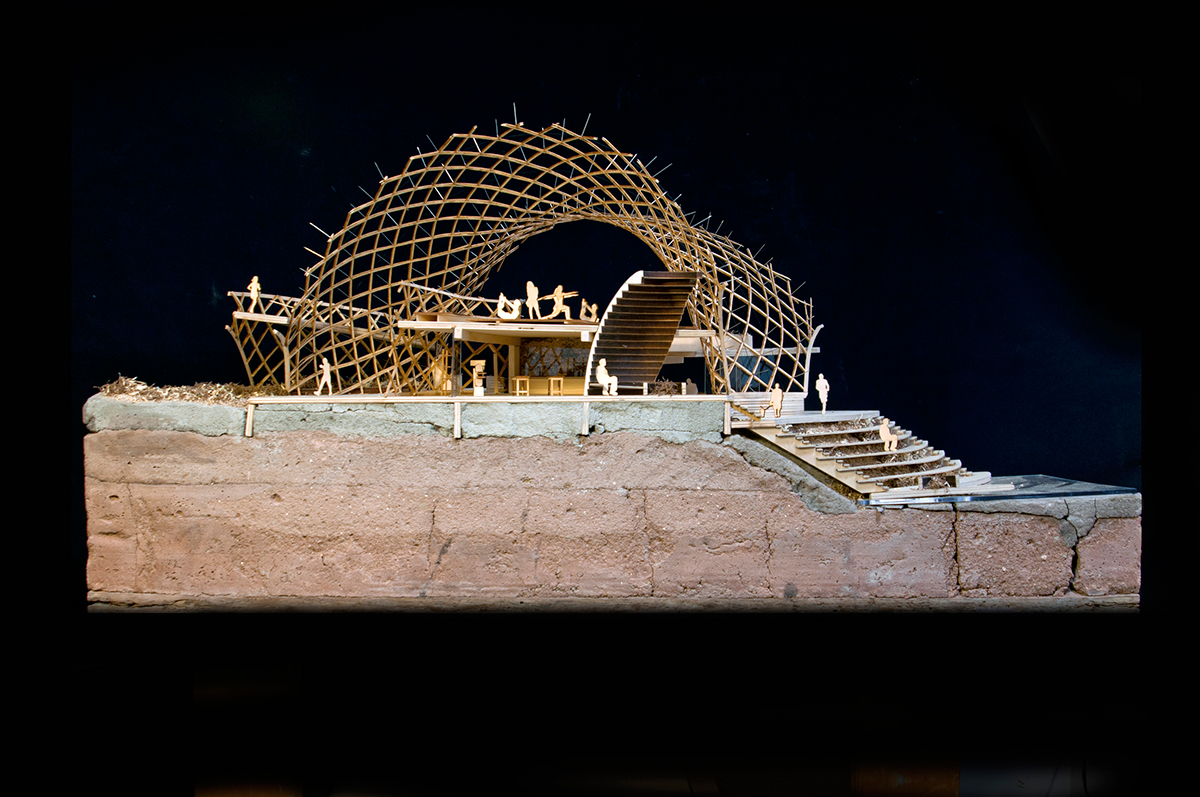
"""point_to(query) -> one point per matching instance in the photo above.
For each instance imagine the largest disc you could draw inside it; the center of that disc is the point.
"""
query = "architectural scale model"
(427, 438)
(395, 308)
(399, 286)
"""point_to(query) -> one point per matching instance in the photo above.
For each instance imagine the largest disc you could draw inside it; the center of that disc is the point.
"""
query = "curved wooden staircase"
(639, 325)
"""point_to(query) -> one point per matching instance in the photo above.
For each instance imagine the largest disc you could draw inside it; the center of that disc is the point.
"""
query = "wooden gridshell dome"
(432, 235)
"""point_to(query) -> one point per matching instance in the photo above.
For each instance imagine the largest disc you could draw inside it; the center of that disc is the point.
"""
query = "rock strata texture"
(618, 514)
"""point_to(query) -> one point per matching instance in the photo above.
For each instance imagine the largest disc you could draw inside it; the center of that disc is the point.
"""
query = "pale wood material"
(823, 391)
(477, 385)
(325, 382)
(531, 300)
(607, 383)
(640, 325)
(559, 308)
(255, 291)
(889, 438)
(508, 309)
(430, 236)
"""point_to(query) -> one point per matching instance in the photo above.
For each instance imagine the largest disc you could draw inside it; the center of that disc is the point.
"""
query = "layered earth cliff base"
(183, 509)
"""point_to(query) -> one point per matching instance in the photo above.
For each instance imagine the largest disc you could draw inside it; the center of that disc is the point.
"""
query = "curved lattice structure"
(431, 236)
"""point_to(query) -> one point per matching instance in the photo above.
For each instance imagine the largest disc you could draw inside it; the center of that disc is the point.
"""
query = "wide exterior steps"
(866, 456)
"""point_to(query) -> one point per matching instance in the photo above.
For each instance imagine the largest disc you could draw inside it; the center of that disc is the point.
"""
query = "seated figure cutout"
(885, 434)
(608, 383)
(508, 309)
(587, 312)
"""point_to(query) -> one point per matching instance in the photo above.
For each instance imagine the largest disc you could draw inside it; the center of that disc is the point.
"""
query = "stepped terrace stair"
(849, 452)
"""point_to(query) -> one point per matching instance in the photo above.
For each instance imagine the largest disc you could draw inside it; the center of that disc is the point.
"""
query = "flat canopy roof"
(497, 330)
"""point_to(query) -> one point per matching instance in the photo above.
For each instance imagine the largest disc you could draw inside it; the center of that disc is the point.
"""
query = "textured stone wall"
(622, 514)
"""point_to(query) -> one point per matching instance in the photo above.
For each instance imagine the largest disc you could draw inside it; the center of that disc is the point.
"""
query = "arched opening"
(436, 238)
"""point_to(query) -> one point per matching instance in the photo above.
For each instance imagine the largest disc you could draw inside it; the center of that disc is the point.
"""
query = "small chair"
(520, 385)
(556, 384)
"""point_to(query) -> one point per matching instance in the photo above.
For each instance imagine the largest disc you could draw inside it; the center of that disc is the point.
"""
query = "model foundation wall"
(613, 514)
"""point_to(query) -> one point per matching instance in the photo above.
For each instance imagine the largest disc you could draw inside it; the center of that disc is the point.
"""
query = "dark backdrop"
(959, 195)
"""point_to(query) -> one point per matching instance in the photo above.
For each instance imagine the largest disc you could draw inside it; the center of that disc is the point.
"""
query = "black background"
(956, 196)
(960, 194)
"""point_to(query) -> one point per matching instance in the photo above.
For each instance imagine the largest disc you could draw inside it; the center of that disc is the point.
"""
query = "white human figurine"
(508, 309)
(531, 300)
(559, 307)
(587, 312)
(608, 383)
(255, 289)
(885, 434)
(477, 377)
(325, 380)
(823, 391)
(777, 400)
(690, 388)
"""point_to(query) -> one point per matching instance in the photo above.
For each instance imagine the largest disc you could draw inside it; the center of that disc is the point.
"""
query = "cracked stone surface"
(1006, 554)
(1110, 556)
(313, 514)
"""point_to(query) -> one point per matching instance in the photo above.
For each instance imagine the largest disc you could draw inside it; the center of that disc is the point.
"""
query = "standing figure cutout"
(325, 380)
(255, 289)
(531, 300)
(823, 391)
(777, 400)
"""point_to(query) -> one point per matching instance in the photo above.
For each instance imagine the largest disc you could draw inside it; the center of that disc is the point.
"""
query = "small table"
(556, 384)
(520, 385)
